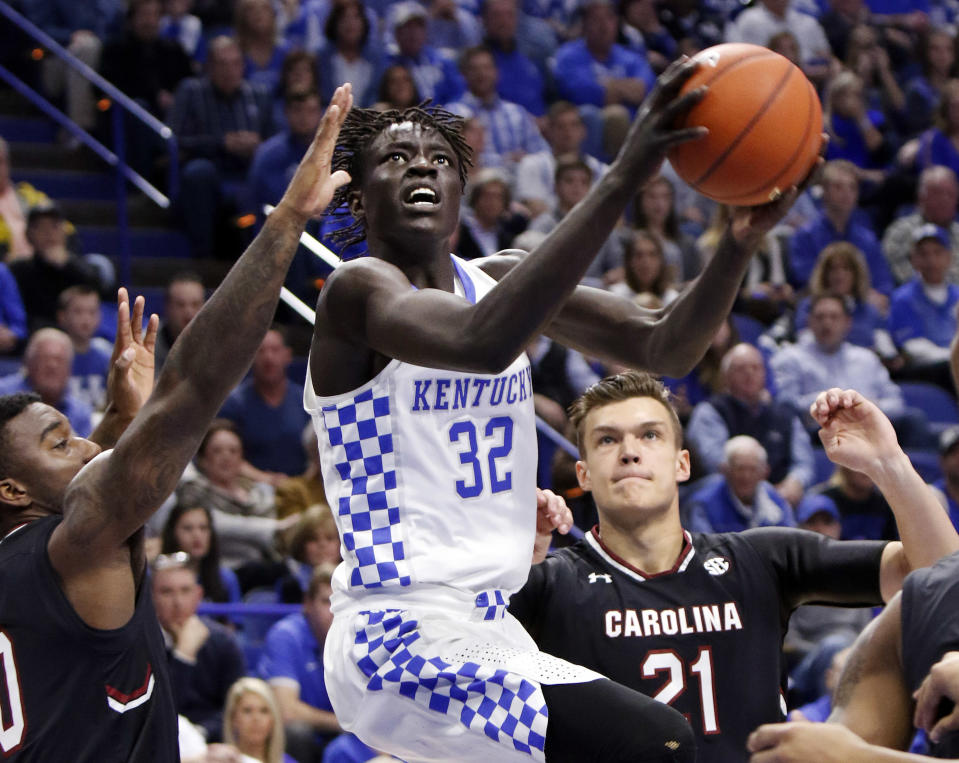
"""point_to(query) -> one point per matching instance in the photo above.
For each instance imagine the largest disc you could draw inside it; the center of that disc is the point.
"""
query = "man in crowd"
(746, 407)
(292, 663)
(182, 300)
(204, 658)
(47, 367)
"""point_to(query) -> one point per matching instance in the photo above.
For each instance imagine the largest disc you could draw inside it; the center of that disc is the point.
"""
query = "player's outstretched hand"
(749, 225)
(941, 683)
(802, 742)
(552, 513)
(132, 365)
(313, 185)
(854, 432)
(653, 131)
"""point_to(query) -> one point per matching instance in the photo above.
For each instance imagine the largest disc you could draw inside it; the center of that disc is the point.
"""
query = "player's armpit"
(872, 698)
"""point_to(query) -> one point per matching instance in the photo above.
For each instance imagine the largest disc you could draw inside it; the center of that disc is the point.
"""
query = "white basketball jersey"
(431, 475)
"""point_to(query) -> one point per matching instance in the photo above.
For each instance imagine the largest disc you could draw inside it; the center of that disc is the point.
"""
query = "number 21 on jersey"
(669, 662)
(12, 723)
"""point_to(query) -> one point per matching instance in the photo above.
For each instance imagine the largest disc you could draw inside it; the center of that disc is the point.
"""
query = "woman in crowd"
(841, 269)
(397, 89)
(645, 269)
(190, 529)
(252, 722)
(655, 210)
(263, 51)
(347, 55)
(937, 59)
(243, 510)
(312, 542)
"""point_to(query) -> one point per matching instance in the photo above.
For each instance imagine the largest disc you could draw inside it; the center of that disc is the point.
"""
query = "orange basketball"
(764, 121)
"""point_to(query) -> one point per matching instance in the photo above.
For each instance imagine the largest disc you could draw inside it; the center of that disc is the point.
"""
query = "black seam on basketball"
(749, 126)
(732, 67)
(810, 94)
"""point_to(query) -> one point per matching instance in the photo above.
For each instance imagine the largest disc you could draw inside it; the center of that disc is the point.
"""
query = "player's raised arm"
(673, 339)
(370, 302)
(114, 494)
(856, 434)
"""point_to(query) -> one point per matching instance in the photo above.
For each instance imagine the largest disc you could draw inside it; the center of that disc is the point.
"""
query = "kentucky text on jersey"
(670, 622)
(472, 392)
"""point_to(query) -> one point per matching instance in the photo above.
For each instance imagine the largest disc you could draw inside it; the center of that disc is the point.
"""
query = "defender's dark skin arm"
(109, 500)
(368, 303)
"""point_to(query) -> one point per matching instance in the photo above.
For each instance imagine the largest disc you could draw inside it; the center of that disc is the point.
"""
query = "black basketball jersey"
(706, 636)
(930, 628)
(69, 692)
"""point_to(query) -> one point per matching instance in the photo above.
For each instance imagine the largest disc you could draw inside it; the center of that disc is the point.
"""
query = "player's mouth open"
(421, 197)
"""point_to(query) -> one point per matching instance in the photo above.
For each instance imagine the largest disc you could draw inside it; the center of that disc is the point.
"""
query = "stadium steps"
(85, 188)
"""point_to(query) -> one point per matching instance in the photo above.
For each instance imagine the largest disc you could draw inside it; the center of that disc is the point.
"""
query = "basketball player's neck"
(652, 545)
(427, 265)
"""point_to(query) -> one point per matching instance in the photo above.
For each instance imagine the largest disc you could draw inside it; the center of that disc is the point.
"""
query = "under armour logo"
(718, 565)
(594, 577)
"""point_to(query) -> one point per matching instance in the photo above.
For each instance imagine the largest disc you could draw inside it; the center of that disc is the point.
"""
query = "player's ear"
(354, 201)
(14, 493)
(582, 476)
(682, 466)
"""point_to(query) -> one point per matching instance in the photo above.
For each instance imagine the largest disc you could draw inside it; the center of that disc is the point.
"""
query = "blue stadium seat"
(749, 328)
(926, 462)
(938, 405)
(823, 466)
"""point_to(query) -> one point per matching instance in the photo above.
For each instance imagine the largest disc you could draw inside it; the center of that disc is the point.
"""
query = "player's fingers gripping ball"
(764, 120)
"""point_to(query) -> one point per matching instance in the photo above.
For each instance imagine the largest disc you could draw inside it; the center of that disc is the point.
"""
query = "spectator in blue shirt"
(596, 71)
(263, 50)
(79, 317)
(839, 220)
(292, 663)
(511, 132)
(521, 80)
(349, 54)
(267, 409)
(741, 497)
(13, 318)
(922, 314)
(46, 371)
(434, 72)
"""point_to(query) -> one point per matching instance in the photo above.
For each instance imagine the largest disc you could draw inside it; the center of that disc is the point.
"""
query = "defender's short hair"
(614, 389)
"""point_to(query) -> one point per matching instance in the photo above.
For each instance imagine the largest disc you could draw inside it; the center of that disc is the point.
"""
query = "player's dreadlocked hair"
(361, 128)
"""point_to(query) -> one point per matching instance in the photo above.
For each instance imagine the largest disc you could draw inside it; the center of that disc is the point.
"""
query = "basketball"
(764, 121)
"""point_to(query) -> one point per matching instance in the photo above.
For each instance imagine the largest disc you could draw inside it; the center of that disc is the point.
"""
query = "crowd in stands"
(857, 288)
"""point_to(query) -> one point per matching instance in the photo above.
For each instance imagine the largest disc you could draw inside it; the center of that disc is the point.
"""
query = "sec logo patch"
(717, 565)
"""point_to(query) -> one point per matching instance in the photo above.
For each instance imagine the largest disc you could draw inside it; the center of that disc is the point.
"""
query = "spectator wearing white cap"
(937, 198)
(434, 72)
(922, 312)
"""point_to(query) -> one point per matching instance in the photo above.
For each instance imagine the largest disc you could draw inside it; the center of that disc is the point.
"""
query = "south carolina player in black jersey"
(903, 655)
(83, 674)
(697, 620)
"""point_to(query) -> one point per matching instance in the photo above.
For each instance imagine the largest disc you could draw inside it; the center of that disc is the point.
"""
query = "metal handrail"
(116, 157)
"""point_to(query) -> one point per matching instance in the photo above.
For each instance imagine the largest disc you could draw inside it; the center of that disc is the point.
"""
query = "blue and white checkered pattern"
(360, 436)
(504, 706)
(491, 605)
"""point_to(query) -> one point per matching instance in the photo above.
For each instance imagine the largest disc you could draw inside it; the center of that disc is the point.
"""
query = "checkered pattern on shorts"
(504, 706)
(491, 605)
(361, 438)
